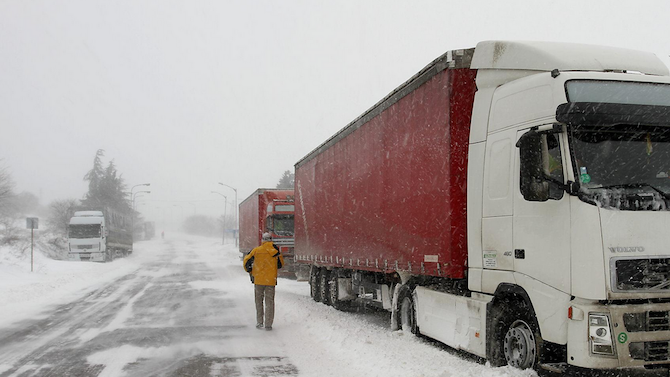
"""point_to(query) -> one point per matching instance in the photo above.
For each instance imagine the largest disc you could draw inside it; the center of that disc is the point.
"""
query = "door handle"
(519, 253)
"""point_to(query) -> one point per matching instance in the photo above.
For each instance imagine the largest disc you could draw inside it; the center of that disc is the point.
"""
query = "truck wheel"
(519, 345)
(334, 292)
(518, 340)
(324, 292)
(407, 311)
(314, 278)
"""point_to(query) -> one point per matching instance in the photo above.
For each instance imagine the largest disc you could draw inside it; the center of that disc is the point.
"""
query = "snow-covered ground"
(317, 339)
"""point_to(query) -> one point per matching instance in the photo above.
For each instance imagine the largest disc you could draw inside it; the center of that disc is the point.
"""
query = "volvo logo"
(626, 249)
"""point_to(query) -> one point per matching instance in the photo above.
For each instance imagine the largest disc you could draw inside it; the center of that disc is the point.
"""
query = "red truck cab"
(272, 211)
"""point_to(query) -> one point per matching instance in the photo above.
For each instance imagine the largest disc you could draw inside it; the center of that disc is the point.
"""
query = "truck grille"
(642, 274)
(650, 351)
(647, 321)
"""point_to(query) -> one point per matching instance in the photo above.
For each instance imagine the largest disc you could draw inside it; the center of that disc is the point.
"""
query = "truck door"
(498, 201)
(541, 207)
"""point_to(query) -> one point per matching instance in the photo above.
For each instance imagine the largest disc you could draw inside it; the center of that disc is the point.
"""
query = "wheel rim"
(406, 318)
(519, 346)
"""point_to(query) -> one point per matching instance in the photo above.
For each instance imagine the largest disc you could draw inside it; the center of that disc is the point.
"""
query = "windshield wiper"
(637, 185)
(659, 286)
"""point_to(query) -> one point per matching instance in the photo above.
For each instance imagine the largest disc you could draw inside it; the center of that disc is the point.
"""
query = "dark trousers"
(265, 293)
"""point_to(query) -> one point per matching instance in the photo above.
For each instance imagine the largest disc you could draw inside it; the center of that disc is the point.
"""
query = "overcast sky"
(186, 94)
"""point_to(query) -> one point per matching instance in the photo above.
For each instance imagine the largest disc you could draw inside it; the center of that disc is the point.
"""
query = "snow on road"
(309, 338)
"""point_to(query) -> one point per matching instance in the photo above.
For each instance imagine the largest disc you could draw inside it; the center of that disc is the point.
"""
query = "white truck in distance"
(510, 200)
(98, 236)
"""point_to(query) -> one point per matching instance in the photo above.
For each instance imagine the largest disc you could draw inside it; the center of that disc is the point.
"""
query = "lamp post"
(236, 220)
(225, 205)
(135, 196)
(132, 198)
(133, 188)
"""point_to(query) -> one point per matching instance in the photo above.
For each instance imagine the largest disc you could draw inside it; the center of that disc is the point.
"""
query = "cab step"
(555, 367)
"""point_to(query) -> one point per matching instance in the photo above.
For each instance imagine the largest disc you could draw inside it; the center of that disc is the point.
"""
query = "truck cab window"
(541, 169)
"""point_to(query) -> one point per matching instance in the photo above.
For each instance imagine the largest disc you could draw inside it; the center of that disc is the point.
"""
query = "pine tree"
(94, 178)
(286, 181)
(105, 186)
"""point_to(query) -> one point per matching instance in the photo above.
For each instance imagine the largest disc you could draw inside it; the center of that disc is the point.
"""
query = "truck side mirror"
(533, 185)
(268, 224)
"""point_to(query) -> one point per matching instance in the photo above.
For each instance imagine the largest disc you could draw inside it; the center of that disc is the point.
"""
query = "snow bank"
(25, 294)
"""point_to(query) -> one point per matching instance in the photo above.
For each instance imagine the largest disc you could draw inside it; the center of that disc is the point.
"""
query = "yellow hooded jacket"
(264, 269)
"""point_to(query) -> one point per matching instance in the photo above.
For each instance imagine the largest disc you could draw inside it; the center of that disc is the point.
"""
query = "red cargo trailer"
(388, 192)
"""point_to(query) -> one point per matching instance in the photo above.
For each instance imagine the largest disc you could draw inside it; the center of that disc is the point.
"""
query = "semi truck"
(509, 200)
(99, 235)
(271, 211)
(149, 230)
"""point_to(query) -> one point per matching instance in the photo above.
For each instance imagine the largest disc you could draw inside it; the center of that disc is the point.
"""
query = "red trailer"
(387, 193)
(272, 211)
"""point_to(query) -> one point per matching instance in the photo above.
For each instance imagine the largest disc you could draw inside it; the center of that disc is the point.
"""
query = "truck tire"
(407, 311)
(314, 279)
(518, 341)
(334, 292)
(324, 292)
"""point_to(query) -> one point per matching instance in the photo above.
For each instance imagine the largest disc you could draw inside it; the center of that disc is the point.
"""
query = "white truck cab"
(86, 236)
(568, 203)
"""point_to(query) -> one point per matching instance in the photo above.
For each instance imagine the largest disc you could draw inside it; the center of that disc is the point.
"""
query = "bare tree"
(25, 203)
(60, 212)
(6, 189)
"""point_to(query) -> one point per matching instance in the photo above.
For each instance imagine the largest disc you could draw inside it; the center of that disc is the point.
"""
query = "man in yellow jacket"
(263, 263)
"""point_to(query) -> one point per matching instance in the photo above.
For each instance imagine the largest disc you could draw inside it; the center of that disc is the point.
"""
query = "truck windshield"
(284, 208)
(283, 225)
(85, 231)
(624, 167)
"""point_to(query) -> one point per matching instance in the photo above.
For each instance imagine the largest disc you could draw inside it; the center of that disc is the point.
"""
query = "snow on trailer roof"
(88, 214)
(86, 220)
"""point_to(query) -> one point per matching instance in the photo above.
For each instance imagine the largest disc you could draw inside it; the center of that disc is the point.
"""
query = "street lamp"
(141, 184)
(132, 200)
(135, 196)
(236, 220)
(225, 206)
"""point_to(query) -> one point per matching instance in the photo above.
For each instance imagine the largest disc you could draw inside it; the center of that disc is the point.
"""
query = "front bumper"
(640, 332)
(86, 256)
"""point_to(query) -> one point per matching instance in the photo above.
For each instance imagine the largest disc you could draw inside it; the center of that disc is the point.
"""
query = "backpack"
(279, 265)
(248, 266)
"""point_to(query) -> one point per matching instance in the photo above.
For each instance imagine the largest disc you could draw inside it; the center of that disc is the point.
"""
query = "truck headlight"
(600, 335)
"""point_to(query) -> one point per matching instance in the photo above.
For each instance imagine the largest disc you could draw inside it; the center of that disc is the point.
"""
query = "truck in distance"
(272, 211)
(99, 236)
(509, 200)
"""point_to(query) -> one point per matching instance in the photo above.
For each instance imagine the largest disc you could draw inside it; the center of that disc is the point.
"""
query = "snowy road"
(184, 307)
(173, 316)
